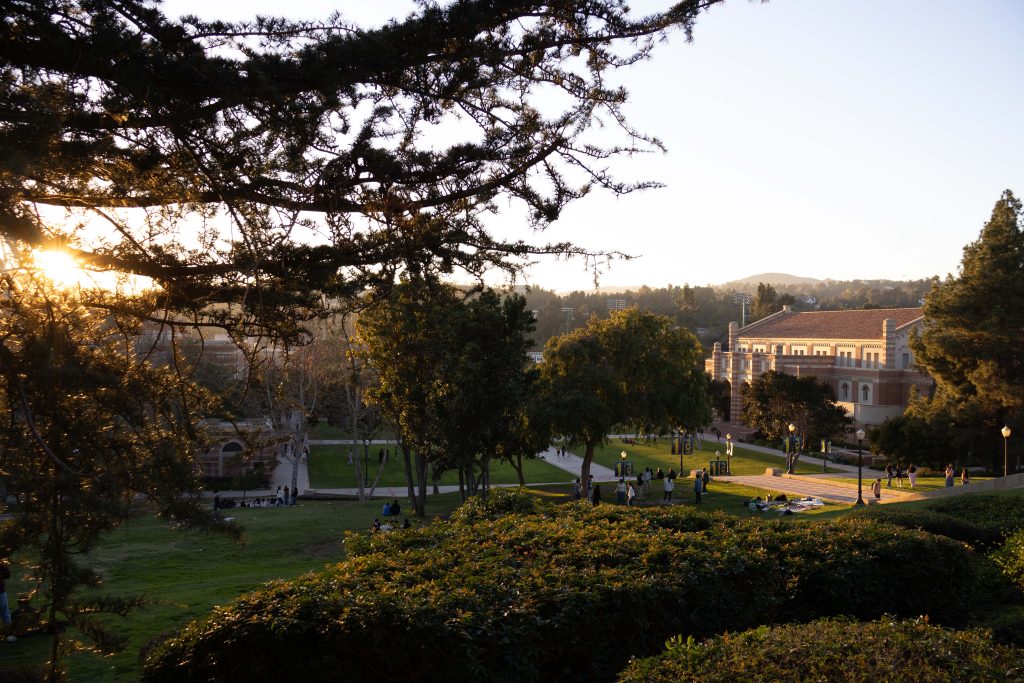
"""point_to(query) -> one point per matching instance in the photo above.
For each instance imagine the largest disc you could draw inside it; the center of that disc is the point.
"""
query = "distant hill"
(773, 279)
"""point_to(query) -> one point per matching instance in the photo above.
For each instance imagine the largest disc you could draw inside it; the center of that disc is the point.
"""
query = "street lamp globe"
(1006, 452)
(860, 435)
(622, 455)
(792, 427)
(1006, 432)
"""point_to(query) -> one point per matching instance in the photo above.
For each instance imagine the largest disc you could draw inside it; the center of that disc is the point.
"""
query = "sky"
(854, 139)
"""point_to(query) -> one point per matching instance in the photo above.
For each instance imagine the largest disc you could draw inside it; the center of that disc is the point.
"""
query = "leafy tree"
(311, 138)
(632, 367)
(720, 393)
(766, 302)
(86, 428)
(775, 400)
(971, 342)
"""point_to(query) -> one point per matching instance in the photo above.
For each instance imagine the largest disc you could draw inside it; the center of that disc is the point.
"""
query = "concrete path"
(815, 487)
(573, 464)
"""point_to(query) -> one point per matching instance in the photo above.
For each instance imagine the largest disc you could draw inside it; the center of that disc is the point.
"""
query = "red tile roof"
(859, 324)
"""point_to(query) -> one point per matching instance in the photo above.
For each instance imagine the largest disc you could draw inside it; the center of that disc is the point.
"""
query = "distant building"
(617, 304)
(236, 449)
(535, 356)
(864, 355)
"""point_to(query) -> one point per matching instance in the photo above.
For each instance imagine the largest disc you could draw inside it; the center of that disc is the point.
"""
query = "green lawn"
(184, 575)
(329, 469)
(660, 455)
(929, 483)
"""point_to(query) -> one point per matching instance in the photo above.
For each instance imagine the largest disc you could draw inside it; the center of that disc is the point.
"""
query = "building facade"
(864, 355)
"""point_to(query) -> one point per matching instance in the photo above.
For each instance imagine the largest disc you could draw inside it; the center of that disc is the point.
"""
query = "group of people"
(285, 497)
(965, 476)
(390, 512)
(898, 472)
(626, 491)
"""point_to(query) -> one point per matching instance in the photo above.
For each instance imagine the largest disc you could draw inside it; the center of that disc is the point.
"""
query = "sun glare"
(61, 268)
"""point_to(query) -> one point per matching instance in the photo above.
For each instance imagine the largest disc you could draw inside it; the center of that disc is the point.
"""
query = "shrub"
(1010, 558)
(975, 535)
(499, 502)
(1004, 512)
(560, 596)
(835, 650)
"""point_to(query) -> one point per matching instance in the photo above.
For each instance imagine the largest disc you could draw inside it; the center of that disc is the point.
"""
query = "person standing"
(899, 475)
(647, 480)
(698, 487)
(630, 495)
(620, 492)
(704, 479)
(949, 475)
(912, 474)
(668, 486)
(888, 475)
(280, 497)
(576, 488)
(5, 610)
(295, 496)
(965, 477)
(596, 495)
(876, 489)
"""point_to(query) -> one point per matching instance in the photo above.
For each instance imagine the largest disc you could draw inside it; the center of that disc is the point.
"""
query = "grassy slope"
(660, 455)
(329, 469)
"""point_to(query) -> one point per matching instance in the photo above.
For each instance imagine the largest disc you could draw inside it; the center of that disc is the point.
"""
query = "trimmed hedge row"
(1003, 512)
(835, 650)
(570, 594)
(976, 535)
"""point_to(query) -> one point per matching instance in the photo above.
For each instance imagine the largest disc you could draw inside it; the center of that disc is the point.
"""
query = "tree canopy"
(338, 155)
(776, 400)
(630, 368)
(971, 342)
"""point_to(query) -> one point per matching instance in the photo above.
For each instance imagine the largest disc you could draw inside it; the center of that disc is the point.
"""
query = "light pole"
(1006, 460)
(860, 464)
(728, 454)
(789, 450)
(622, 468)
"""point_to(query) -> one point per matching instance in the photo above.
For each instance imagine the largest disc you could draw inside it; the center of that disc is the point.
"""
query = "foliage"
(86, 427)
(619, 580)
(311, 138)
(632, 367)
(977, 535)
(834, 650)
(1010, 558)
(984, 509)
(971, 343)
(452, 374)
(775, 400)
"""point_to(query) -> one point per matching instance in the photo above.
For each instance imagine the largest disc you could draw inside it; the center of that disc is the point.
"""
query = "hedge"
(1003, 512)
(976, 535)
(835, 650)
(560, 595)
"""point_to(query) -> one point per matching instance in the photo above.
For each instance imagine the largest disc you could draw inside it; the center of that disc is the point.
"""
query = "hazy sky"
(853, 139)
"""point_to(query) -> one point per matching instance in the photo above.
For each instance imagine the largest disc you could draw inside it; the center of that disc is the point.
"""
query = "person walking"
(899, 475)
(912, 474)
(630, 495)
(668, 486)
(888, 475)
(949, 475)
(698, 487)
(576, 488)
(620, 492)
(876, 489)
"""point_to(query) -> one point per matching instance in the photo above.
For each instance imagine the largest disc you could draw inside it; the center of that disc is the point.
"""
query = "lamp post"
(860, 464)
(789, 450)
(622, 467)
(1006, 460)
(728, 454)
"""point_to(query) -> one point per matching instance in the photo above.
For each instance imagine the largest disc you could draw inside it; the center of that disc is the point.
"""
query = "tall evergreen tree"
(971, 343)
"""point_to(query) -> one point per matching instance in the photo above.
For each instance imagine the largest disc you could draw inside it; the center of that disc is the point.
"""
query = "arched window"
(844, 391)
(866, 393)
(232, 447)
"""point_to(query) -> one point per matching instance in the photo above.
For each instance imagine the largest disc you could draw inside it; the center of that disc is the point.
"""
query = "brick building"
(864, 355)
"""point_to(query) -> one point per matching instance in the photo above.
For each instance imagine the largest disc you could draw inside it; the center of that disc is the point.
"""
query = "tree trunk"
(421, 484)
(485, 467)
(408, 471)
(518, 467)
(588, 457)
(462, 483)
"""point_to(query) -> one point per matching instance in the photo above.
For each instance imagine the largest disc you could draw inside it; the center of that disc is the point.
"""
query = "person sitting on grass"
(386, 510)
(396, 510)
